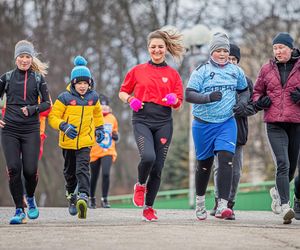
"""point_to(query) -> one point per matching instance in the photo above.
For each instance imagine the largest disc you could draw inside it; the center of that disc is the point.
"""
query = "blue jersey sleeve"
(196, 80)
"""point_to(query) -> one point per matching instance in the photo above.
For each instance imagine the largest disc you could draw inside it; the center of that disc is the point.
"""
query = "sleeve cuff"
(177, 105)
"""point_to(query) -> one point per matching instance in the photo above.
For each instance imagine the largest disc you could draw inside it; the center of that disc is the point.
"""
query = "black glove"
(115, 136)
(264, 102)
(100, 134)
(32, 109)
(215, 96)
(295, 95)
(239, 108)
(69, 130)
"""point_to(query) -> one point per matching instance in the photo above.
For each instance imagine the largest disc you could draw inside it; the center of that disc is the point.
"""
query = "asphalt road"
(123, 229)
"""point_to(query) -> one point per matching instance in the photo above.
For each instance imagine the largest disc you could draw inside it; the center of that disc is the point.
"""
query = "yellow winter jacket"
(84, 112)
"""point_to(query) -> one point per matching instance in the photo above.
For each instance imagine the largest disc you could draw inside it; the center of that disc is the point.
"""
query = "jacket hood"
(295, 53)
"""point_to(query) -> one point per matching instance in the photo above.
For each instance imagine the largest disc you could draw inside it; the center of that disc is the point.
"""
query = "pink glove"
(135, 104)
(170, 99)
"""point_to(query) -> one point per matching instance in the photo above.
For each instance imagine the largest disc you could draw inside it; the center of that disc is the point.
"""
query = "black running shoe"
(104, 203)
(297, 208)
(92, 203)
(72, 198)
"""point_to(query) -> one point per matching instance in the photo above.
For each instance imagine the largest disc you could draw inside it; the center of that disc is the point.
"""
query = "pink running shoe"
(139, 195)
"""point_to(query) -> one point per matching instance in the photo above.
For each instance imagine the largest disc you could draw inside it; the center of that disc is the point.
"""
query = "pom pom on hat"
(79, 61)
(80, 72)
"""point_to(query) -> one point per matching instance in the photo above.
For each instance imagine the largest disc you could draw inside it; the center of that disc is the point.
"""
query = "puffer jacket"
(84, 112)
(282, 109)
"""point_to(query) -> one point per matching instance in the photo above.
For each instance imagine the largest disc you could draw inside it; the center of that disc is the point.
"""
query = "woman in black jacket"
(26, 96)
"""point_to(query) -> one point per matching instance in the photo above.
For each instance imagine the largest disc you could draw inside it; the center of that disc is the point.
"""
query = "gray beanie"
(24, 47)
(219, 41)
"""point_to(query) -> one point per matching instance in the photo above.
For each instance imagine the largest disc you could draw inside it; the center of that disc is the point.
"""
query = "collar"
(217, 64)
(162, 64)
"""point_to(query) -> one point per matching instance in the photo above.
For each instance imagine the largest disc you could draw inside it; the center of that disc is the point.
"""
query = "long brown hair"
(173, 40)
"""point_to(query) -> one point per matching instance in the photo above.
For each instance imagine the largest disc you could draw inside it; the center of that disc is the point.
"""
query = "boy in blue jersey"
(242, 137)
(212, 89)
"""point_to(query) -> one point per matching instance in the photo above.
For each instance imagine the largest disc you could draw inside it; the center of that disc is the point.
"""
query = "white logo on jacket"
(164, 79)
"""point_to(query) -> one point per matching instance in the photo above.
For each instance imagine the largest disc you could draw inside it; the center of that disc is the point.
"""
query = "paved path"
(114, 229)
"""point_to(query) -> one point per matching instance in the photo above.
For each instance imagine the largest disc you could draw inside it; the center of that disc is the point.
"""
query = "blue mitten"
(100, 134)
(69, 130)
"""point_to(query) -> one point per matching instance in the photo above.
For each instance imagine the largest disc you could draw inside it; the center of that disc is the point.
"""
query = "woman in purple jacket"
(277, 92)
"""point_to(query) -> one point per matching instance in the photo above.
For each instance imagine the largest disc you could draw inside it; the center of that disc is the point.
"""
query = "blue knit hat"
(80, 72)
(283, 38)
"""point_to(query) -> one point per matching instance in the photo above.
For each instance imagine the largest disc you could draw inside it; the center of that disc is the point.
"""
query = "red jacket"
(282, 109)
(150, 83)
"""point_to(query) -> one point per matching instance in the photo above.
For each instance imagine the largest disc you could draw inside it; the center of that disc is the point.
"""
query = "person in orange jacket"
(43, 136)
(103, 154)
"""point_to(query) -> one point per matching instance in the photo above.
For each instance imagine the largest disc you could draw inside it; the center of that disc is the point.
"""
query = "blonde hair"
(173, 40)
(36, 65)
(39, 66)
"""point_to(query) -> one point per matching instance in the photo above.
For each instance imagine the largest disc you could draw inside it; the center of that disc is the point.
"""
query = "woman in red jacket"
(152, 90)
(277, 91)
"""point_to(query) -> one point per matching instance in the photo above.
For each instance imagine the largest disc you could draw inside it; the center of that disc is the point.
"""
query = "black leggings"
(21, 150)
(95, 166)
(284, 139)
(153, 144)
(224, 176)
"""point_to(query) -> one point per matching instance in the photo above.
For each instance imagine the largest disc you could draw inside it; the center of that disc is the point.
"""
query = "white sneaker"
(275, 205)
(287, 214)
(223, 211)
(201, 213)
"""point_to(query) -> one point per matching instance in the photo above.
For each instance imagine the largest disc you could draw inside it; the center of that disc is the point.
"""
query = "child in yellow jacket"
(78, 115)
(104, 154)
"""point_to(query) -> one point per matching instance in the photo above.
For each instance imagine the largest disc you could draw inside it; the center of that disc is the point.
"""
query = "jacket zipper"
(90, 128)
(25, 86)
(80, 126)
(283, 87)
